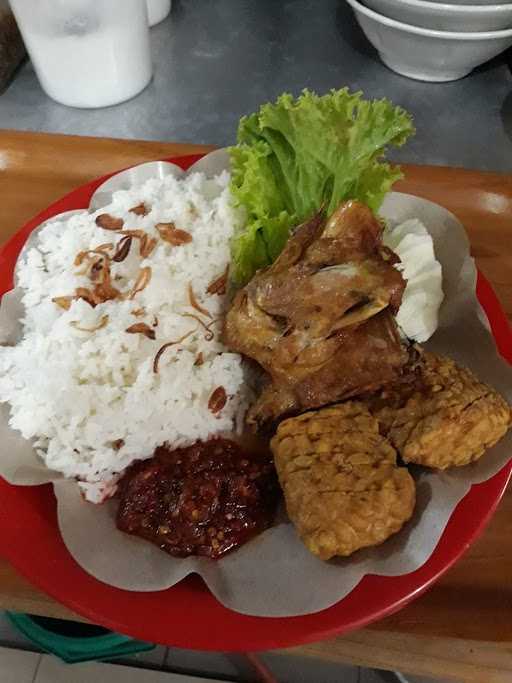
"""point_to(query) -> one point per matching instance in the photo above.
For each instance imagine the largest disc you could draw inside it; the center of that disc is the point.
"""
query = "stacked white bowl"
(434, 41)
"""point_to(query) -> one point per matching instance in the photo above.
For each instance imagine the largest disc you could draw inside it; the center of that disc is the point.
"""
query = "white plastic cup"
(158, 10)
(87, 53)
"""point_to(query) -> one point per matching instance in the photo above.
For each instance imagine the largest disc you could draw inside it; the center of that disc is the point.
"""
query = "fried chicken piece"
(363, 358)
(319, 320)
(342, 487)
(443, 417)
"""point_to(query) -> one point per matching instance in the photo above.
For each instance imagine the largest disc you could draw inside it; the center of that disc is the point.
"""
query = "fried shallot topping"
(140, 210)
(173, 235)
(147, 245)
(218, 286)
(102, 248)
(86, 295)
(141, 282)
(163, 348)
(217, 400)
(141, 328)
(105, 292)
(209, 335)
(122, 249)
(194, 303)
(103, 321)
(98, 263)
(63, 301)
(96, 270)
(108, 222)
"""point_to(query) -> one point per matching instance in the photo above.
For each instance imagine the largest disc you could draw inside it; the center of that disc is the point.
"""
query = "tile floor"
(22, 666)
(20, 663)
(18, 666)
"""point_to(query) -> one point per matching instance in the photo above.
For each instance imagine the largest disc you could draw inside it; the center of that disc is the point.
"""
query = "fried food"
(365, 357)
(442, 417)
(319, 320)
(342, 487)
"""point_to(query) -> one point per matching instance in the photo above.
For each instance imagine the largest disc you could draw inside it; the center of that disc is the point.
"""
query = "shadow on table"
(351, 33)
(506, 116)
(506, 107)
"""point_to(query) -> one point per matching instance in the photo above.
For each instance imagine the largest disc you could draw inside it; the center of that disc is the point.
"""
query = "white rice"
(77, 393)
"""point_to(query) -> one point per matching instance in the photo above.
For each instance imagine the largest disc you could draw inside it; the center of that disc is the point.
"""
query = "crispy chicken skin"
(364, 357)
(319, 320)
(342, 487)
(443, 417)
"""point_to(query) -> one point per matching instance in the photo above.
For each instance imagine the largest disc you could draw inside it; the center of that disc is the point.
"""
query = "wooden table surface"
(462, 627)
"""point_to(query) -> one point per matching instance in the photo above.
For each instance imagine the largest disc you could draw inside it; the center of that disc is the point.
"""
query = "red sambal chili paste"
(206, 499)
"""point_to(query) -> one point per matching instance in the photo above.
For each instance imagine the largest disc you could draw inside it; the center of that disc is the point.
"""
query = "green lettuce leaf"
(297, 155)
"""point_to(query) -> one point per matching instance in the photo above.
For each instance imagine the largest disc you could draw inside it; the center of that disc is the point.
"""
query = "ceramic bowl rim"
(501, 8)
(431, 33)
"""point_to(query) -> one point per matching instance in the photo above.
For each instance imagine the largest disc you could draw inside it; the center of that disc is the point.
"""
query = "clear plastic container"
(87, 53)
(158, 10)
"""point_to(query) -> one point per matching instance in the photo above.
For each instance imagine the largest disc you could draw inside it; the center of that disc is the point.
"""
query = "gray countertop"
(215, 60)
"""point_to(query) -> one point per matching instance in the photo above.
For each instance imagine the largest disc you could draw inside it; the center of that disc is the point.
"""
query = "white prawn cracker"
(423, 294)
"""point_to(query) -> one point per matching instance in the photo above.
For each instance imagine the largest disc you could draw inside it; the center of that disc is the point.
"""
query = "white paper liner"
(274, 575)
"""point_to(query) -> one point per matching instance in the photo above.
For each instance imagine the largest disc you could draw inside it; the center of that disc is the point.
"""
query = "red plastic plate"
(187, 615)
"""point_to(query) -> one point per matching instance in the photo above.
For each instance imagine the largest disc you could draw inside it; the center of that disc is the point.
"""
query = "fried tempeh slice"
(342, 487)
(445, 418)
